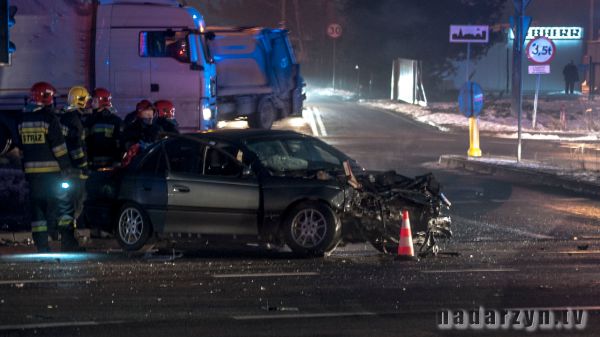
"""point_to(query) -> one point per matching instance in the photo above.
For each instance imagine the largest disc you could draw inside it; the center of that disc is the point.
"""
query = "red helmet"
(42, 93)
(102, 98)
(143, 105)
(165, 109)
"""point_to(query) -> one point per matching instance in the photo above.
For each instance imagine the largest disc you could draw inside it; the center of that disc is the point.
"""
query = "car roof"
(240, 135)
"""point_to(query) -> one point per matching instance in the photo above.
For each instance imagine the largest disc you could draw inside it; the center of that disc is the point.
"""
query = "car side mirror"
(247, 171)
(210, 35)
(196, 67)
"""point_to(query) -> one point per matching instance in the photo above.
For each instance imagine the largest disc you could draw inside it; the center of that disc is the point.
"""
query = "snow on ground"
(331, 92)
(583, 117)
(581, 175)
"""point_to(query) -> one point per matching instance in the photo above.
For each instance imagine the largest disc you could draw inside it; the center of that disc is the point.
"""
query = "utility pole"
(520, 24)
(283, 10)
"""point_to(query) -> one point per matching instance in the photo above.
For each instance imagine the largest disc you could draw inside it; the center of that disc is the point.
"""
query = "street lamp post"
(357, 68)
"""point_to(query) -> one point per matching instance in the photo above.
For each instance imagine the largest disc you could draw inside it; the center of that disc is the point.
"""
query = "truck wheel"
(311, 229)
(133, 227)
(265, 115)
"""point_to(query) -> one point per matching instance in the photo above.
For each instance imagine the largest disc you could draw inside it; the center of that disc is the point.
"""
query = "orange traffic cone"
(406, 250)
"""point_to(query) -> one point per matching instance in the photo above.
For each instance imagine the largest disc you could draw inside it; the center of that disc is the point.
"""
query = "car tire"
(311, 228)
(265, 115)
(133, 228)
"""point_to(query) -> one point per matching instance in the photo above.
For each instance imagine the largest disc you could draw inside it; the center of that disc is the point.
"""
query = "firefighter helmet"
(42, 93)
(78, 97)
(102, 98)
(143, 105)
(165, 109)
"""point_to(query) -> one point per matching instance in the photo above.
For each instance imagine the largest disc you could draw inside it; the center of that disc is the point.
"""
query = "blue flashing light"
(197, 18)
(52, 257)
(65, 185)
(107, 62)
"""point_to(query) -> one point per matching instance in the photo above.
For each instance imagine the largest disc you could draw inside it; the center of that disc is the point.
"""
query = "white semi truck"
(152, 49)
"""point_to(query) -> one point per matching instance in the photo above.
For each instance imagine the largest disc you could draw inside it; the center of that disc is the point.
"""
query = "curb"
(523, 175)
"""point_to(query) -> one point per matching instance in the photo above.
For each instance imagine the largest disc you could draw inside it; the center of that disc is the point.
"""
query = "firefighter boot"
(68, 243)
(41, 241)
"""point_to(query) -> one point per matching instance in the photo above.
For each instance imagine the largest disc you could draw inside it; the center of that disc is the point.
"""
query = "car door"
(151, 187)
(208, 192)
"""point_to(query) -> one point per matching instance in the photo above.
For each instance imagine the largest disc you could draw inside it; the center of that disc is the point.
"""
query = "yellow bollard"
(474, 150)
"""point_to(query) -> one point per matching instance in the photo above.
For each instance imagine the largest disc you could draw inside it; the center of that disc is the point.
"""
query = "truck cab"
(137, 49)
(156, 51)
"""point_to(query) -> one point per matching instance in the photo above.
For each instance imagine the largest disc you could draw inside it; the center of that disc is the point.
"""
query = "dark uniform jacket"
(42, 141)
(138, 132)
(103, 138)
(130, 118)
(74, 134)
(168, 126)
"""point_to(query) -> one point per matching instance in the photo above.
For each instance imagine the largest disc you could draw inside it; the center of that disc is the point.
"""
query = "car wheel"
(265, 115)
(133, 227)
(311, 229)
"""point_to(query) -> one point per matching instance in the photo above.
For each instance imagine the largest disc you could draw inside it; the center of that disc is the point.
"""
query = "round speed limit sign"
(334, 30)
(541, 50)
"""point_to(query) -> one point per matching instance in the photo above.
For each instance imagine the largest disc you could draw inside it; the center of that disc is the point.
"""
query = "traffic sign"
(334, 30)
(541, 50)
(470, 99)
(469, 34)
(542, 69)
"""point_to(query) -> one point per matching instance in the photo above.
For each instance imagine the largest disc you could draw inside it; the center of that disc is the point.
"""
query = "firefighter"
(70, 205)
(103, 139)
(165, 111)
(139, 107)
(45, 158)
(143, 131)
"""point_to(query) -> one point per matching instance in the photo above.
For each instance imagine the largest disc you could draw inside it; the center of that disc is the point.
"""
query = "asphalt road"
(515, 246)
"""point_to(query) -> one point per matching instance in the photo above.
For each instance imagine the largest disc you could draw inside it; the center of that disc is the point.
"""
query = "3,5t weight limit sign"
(541, 50)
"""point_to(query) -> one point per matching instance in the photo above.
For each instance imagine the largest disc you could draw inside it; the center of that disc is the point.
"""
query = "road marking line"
(498, 270)
(55, 325)
(317, 113)
(265, 275)
(575, 252)
(66, 280)
(503, 228)
(310, 118)
(501, 201)
(307, 315)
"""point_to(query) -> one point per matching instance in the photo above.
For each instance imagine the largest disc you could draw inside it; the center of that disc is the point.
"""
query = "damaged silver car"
(275, 187)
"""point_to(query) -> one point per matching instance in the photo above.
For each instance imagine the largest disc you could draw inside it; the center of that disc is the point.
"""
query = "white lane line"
(55, 325)
(528, 234)
(575, 252)
(265, 275)
(317, 113)
(497, 270)
(307, 315)
(66, 280)
(307, 114)
(502, 201)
